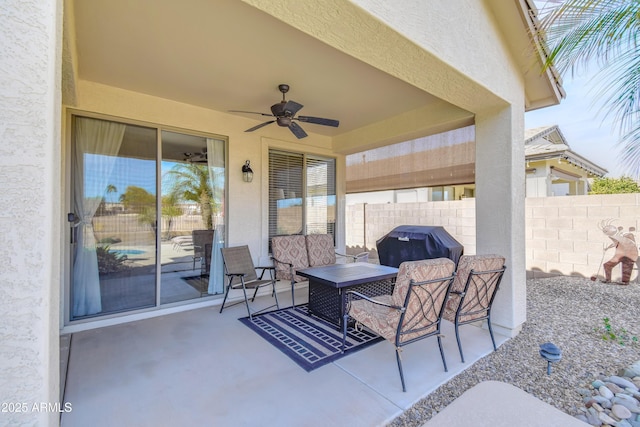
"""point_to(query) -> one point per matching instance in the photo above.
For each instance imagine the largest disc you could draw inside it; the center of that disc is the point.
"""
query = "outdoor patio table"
(329, 284)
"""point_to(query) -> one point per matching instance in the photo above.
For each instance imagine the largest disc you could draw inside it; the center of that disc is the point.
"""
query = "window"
(302, 194)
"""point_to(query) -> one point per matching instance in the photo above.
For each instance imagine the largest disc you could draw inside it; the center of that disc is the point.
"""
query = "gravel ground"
(566, 311)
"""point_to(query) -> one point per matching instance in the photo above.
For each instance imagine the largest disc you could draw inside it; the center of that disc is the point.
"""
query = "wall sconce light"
(247, 173)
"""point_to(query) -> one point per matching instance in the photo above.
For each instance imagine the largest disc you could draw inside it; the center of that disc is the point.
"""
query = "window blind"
(302, 194)
(285, 193)
(321, 195)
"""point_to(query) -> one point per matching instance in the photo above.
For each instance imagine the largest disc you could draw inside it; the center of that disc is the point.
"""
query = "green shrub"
(619, 335)
(110, 262)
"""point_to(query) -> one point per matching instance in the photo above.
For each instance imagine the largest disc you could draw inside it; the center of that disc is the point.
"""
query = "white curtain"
(215, 160)
(103, 140)
(216, 274)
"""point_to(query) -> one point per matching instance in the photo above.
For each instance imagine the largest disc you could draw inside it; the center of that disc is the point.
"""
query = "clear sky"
(580, 120)
(581, 123)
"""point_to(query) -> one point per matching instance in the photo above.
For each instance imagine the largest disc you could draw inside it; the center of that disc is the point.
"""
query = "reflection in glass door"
(131, 249)
(113, 219)
(192, 227)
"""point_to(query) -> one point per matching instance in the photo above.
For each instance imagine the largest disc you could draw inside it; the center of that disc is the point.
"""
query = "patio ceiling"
(226, 55)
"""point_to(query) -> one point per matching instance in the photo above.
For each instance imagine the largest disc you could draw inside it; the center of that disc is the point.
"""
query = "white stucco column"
(30, 243)
(500, 203)
(548, 182)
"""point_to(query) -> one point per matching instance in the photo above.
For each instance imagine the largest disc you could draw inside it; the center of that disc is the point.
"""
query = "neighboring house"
(553, 169)
(100, 100)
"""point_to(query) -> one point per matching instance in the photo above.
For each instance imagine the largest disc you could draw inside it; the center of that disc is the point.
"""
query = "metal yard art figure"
(626, 250)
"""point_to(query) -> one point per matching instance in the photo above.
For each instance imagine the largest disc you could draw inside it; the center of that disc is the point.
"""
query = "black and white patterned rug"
(309, 341)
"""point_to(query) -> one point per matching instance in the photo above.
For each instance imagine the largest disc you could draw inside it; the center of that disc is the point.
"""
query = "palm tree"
(102, 209)
(190, 182)
(110, 189)
(603, 33)
(170, 210)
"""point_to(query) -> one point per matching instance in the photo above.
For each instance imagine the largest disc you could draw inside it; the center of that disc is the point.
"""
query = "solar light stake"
(551, 353)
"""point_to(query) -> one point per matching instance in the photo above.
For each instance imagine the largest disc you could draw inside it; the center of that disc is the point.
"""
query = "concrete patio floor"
(200, 367)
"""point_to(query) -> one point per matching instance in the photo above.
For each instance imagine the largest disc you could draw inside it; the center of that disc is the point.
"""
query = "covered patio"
(159, 68)
(201, 367)
(374, 70)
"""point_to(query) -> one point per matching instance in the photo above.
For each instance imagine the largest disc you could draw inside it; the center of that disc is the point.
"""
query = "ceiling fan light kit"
(285, 116)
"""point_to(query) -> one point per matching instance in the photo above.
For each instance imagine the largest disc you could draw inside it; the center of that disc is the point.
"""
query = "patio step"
(498, 404)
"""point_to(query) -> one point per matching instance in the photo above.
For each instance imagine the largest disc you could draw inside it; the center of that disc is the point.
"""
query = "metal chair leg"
(444, 362)
(459, 343)
(275, 294)
(404, 389)
(493, 341)
(225, 297)
(246, 300)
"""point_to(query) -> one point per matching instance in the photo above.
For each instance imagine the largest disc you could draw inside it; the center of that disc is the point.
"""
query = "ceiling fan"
(285, 114)
(200, 157)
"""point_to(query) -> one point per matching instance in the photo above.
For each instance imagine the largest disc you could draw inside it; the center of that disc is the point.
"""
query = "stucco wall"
(461, 34)
(30, 41)
(540, 182)
(562, 233)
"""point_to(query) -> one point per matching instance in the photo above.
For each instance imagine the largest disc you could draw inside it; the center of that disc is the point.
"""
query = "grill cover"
(416, 242)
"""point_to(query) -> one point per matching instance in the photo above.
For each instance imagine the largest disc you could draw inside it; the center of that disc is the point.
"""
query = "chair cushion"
(423, 309)
(467, 263)
(380, 319)
(320, 249)
(419, 271)
(421, 316)
(292, 250)
(451, 307)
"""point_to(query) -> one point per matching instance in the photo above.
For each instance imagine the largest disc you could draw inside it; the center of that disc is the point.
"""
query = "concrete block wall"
(366, 223)
(562, 233)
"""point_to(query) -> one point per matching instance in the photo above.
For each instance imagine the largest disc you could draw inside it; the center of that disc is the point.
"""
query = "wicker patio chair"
(473, 291)
(412, 312)
(241, 274)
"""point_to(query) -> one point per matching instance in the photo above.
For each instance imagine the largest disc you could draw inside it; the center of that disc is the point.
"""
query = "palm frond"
(581, 34)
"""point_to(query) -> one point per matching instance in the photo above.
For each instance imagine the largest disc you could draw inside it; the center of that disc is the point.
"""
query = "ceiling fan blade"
(259, 126)
(319, 121)
(292, 107)
(250, 112)
(297, 130)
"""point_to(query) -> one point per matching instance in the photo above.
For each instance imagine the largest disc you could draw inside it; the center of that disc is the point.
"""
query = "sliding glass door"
(192, 216)
(113, 218)
(146, 227)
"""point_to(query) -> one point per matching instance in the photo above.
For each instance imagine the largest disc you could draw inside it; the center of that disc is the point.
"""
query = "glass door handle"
(73, 219)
